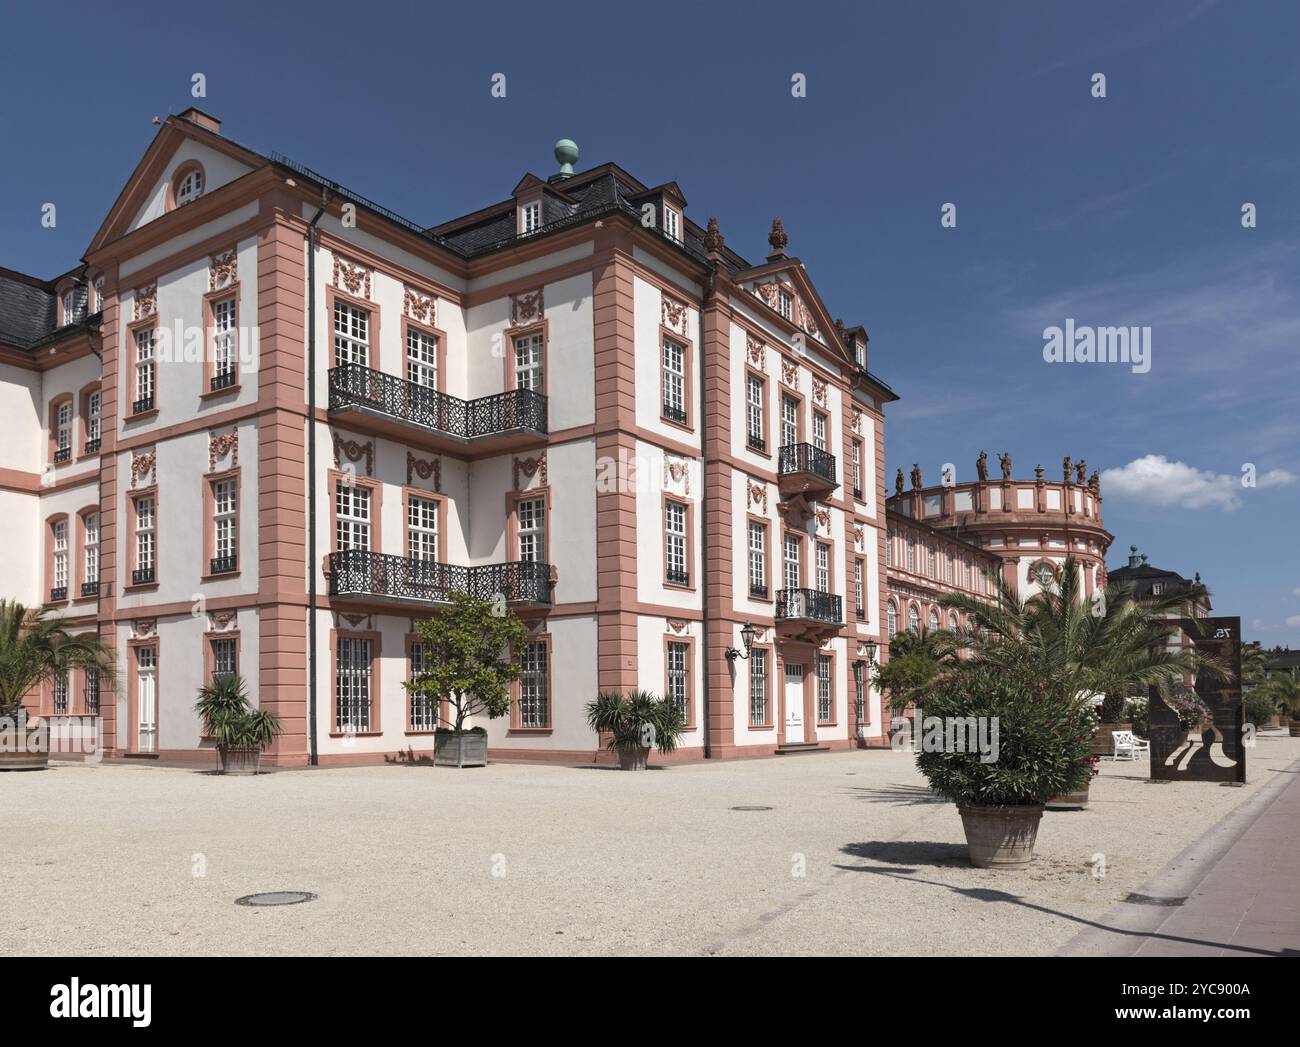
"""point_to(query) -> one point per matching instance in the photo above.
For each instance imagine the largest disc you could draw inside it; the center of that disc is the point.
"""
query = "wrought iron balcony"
(757, 443)
(675, 577)
(448, 420)
(90, 588)
(92, 446)
(222, 564)
(758, 590)
(58, 594)
(145, 403)
(804, 467)
(809, 605)
(675, 414)
(223, 379)
(63, 454)
(142, 576)
(360, 573)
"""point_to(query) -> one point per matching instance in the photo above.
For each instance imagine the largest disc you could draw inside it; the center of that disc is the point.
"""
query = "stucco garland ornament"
(421, 307)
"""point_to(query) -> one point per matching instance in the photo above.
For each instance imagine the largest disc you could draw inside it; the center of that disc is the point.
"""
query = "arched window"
(891, 620)
(952, 623)
(187, 183)
(934, 620)
(913, 620)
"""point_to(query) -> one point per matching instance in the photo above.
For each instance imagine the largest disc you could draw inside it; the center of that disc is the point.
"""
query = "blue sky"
(1116, 211)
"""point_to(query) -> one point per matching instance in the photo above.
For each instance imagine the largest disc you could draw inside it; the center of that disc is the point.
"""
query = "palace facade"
(267, 424)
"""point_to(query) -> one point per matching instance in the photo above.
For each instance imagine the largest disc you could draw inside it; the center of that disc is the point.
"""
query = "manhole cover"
(751, 807)
(276, 898)
(1147, 899)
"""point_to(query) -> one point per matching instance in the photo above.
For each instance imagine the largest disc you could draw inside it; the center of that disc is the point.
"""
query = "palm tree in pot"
(240, 731)
(35, 649)
(1284, 689)
(636, 723)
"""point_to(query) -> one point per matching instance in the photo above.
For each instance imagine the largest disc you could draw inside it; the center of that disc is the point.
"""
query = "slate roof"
(29, 309)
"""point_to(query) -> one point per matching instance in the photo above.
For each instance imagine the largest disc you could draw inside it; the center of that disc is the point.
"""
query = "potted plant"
(1076, 799)
(1284, 689)
(240, 731)
(1192, 712)
(33, 649)
(471, 658)
(1260, 708)
(636, 723)
(1042, 742)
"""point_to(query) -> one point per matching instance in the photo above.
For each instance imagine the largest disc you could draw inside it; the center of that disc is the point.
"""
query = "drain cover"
(276, 898)
(751, 807)
(1147, 899)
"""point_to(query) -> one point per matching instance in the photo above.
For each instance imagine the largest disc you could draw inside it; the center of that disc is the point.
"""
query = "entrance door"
(147, 697)
(794, 703)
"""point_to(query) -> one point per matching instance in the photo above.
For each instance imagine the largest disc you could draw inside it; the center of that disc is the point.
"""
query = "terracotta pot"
(633, 758)
(239, 759)
(1075, 800)
(1103, 741)
(24, 748)
(1001, 837)
(1295, 728)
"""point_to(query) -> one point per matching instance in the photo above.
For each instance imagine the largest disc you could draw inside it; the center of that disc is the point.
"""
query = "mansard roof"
(29, 308)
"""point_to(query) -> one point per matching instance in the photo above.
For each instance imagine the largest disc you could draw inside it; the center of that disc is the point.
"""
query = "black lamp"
(747, 634)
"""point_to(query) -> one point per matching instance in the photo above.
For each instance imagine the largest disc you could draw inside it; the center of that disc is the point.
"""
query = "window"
(351, 516)
(891, 620)
(528, 361)
(754, 397)
(790, 565)
(757, 559)
(913, 620)
(1157, 588)
(422, 529)
(352, 684)
(189, 188)
(934, 620)
(61, 693)
(861, 602)
(63, 431)
(785, 304)
(91, 695)
(889, 549)
(59, 579)
(423, 707)
(145, 545)
(224, 349)
(90, 554)
(758, 687)
(531, 516)
(225, 504)
(225, 661)
(93, 401)
(677, 676)
(860, 353)
(823, 567)
(530, 217)
(825, 704)
(421, 358)
(534, 686)
(672, 224)
(674, 382)
(860, 695)
(911, 554)
(819, 430)
(789, 421)
(929, 561)
(69, 303)
(675, 567)
(855, 467)
(947, 569)
(351, 335)
(144, 371)
(952, 623)
(99, 294)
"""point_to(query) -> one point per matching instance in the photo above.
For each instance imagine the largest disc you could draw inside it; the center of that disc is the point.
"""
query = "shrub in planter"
(1138, 713)
(1260, 708)
(1041, 735)
(636, 723)
(240, 731)
(467, 748)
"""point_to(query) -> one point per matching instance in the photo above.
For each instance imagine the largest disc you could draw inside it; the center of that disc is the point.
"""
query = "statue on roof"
(1081, 472)
(1068, 468)
(777, 237)
(1094, 481)
(982, 465)
(898, 482)
(1005, 460)
(1038, 473)
(916, 477)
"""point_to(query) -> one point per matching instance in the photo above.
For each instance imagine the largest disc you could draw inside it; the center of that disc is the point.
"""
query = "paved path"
(1239, 882)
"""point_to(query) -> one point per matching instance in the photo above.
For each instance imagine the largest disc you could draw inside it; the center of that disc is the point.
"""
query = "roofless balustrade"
(419, 415)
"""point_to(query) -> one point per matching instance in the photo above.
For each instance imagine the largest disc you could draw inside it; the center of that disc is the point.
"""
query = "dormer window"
(530, 217)
(99, 294)
(860, 353)
(785, 304)
(190, 187)
(69, 298)
(672, 224)
(1157, 588)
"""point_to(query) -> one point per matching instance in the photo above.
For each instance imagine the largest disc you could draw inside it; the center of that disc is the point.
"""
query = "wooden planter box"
(24, 748)
(467, 749)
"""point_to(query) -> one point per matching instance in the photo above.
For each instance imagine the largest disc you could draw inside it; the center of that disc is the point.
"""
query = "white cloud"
(1293, 620)
(1154, 479)
(1277, 478)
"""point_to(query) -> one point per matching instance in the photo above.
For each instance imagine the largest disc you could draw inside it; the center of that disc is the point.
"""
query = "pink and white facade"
(265, 437)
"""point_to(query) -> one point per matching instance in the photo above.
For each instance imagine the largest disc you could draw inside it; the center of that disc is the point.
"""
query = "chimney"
(202, 119)
(1133, 558)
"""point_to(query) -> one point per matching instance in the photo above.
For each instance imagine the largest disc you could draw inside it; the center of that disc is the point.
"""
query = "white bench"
(1128, 746)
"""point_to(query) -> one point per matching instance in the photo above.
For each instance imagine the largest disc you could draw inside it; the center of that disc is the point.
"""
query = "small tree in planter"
(1284, 689)
(240, 731)
(472, 651)
(1044, 741)
(635, 723)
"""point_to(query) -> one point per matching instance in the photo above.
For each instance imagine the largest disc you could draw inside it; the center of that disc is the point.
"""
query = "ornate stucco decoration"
(222, 446)
(223, 269)
(790, 372)
(819, 390)
(677, 625)
(823, 518)
(146, 300)
(678, 471)
(422, 307)
(672, 313)
(806, 320)
(221, 621)
(757, 494)
(424, 468)
(856, 423)
(142, 465)
(351, 277)
(528, 468)
(526, 308)
(767, 292)
(859, 535)
(757, 353)
(143, 628)
(356, 621)
(354, 451)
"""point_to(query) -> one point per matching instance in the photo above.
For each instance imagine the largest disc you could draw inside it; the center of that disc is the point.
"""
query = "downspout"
(312, 242)
(704, 519)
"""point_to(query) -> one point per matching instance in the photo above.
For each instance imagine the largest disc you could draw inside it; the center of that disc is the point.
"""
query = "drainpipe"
(704, 519)
(312, 241)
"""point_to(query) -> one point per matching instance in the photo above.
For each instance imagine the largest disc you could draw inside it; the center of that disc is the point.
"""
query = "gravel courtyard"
(855, 857)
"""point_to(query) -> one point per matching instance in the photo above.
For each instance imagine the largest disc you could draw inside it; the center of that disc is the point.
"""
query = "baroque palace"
(266, 425)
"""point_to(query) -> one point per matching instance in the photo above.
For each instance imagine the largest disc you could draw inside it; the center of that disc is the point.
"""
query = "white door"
(147, 698)
(793, 703)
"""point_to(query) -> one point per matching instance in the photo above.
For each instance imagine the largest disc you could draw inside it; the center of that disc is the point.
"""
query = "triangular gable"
(178, 140)
(810, 312)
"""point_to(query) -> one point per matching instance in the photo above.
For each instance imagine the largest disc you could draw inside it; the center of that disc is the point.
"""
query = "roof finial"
(777, 239)
(713, 238)
(566, 155)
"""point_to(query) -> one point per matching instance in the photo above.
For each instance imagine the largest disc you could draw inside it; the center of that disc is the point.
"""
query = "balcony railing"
(92, 446)
(358, 572)
(758, 590)
(58, 593)
(62, 454)
(142, 576)
(354, 386)
(757, 443)
(222, 564)
(145, 403)
(676, 577)
(90, 588)
(675, 414)
(223, 379)
(809, 604)
(805, 458)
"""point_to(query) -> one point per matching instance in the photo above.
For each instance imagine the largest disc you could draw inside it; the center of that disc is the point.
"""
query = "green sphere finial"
(566, 155)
